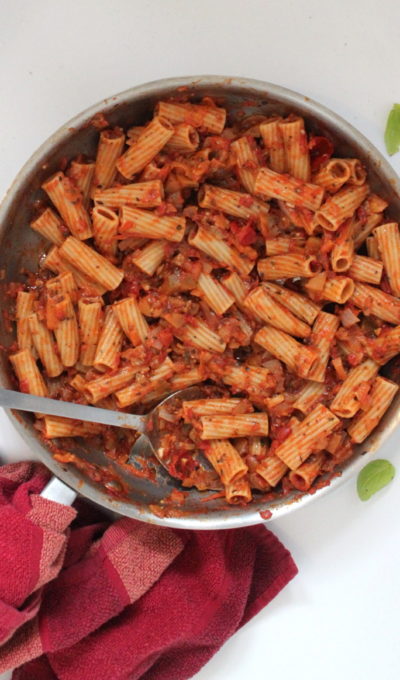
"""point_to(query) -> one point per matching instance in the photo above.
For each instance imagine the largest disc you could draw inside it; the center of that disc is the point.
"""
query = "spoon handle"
(66, 409)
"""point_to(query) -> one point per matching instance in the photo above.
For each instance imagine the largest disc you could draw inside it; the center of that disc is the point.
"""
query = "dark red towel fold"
(124, 600)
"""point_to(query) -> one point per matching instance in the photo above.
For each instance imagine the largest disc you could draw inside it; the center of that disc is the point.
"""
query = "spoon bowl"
(148, 425)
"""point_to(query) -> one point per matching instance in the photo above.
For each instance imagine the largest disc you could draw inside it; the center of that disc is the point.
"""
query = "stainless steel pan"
(21, 247)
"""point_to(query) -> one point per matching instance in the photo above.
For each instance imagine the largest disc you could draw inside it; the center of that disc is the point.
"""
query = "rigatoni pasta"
(250, 260)
(69, 202)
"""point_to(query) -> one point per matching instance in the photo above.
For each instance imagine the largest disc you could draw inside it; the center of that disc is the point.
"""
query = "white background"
(340, 617)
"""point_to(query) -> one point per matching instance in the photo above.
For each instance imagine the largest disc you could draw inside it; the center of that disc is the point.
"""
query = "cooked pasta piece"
(111, 144)
(309, 396)
(228, 426)
(300, 217)
(388, 240)
(358, 173)
(136, 222)
(61, 284)
(251, 379)
(238, 492)
(375, 204)
(343, 251)
(130, 243)
(78, 382)
(91, 263)
(235, 285)
(332, 175)
(308, 437)
(69, 202)
(365, 229)
(186, 379)
(283, 245)
(341, 206)
(297, 357)
(49, 225)
(105, 230)
(90, 322)
(381, 396)
(138, 195)
(375, 301)
(59, 265)
(23, 310)
(287, 266)
(296, 147)
(272, 469)
(230, 202)
(134, 392)
(65, 328)
(29, 377)
(132, 320)
(366, 269)
(220, 250)
(206, 407)
(107, 384)
(155, 135)
(338, 289)
(265, 307)
(372, 247)
(149, 259)
(287, 188)
(215, 294)
(81, 172)
(273, 141)
(226, 460)
(45, 346)
(385, 346)
(298, 304)
(185, 139)
(322, 337)
(303, 476)
(197, 334)
(55, 426)
(109, 344)
(348, 400)
(247, 162)
(209, 118)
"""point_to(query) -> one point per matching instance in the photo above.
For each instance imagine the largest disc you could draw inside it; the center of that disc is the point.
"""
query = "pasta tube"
(388, 240)
(69, 202)
(381, 396)
(286, 188)
(265, 307)
(297, 357)
(346, 402)
(220, 250)
(308, 437)
(226, 461)
(135, 222)
(209, 118)
(29, 377)
(91, 263)
(49, 225)
(155, 135)
(90, 322)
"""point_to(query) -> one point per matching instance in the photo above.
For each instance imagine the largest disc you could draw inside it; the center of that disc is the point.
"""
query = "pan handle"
(56, 490)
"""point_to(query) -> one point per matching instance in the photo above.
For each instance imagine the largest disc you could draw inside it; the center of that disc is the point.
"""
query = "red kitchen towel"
(83, 598)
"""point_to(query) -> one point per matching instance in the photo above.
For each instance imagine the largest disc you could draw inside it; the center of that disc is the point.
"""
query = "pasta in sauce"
(246, 259)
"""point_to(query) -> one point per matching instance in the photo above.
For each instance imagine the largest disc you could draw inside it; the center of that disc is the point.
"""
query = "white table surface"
(340, 617)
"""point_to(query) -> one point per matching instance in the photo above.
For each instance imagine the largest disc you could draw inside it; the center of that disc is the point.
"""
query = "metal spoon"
(147, 425)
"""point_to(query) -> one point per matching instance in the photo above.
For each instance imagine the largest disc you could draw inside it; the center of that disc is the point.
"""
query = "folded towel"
(81, 597)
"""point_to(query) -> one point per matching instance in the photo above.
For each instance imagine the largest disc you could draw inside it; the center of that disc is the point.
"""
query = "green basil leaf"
(392, 132)
(374, 476)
